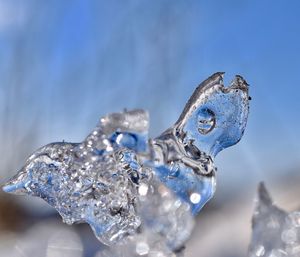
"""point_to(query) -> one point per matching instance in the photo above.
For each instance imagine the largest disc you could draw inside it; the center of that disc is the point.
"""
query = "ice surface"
(213, 119)
(131, 189)
(276, 233)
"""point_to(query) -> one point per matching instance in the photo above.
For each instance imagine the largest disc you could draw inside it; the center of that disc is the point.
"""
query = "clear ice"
(276, 233)
(137, 190)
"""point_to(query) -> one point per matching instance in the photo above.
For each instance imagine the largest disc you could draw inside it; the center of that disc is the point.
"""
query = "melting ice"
(276, 233)
(128, 187)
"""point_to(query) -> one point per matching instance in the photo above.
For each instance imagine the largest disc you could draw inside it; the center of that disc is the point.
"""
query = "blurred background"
(64, 64)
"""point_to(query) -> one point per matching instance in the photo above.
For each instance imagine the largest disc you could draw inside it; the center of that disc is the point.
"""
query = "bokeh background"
(63, 64)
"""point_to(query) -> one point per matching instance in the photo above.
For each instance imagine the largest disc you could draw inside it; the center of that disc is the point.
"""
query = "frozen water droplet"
(207, 121)
(215, 116)
(120, 182)
(213, 119)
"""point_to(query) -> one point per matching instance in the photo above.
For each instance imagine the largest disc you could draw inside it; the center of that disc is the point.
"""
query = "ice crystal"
(276, 233)
(132, 189)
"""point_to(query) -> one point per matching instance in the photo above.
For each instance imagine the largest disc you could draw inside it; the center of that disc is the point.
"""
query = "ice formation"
(132, 189)
(276, 233)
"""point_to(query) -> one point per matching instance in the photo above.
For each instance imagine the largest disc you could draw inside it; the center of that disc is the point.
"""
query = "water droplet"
(206, 121)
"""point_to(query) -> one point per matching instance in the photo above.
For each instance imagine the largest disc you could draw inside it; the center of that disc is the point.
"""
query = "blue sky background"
(63, 64)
